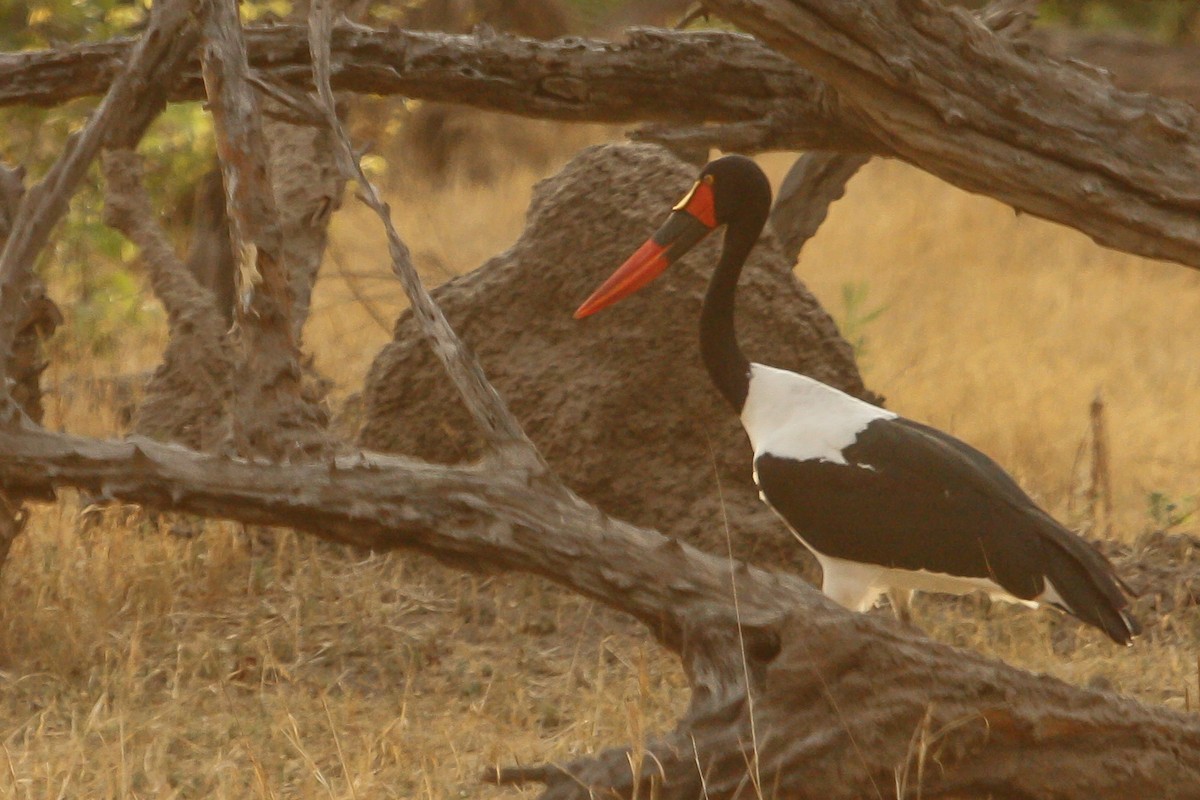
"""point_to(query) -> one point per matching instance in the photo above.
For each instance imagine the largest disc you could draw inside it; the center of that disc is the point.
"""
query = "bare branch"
(485, 404)
(824, 724)
(479, 515)
(812, 184)
(157, 54)
(1051, 139)
(951, 97)
(569, 79)
(243, 152)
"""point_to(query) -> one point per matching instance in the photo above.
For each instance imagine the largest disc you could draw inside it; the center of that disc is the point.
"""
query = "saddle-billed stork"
(884, 503)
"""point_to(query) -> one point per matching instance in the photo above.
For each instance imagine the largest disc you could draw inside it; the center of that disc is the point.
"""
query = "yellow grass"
(249, 664)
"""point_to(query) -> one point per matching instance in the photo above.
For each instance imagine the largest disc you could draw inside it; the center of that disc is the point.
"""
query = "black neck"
(728, 368)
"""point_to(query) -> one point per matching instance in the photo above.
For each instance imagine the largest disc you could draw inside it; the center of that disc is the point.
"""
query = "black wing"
(912, 497)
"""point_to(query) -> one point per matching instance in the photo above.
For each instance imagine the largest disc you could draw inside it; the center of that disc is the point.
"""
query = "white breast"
(792, 416)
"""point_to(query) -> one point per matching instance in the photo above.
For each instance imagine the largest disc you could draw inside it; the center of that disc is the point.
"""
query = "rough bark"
(1051, 139)
(27, 315)
(1134, 63)
(778, 128)
(273, 415)
(815, 181)
(188, 398)
(570, 79)
(52, 77)
(787, 700)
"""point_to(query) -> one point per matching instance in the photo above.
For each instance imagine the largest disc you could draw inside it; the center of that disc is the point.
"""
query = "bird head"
(728, 189)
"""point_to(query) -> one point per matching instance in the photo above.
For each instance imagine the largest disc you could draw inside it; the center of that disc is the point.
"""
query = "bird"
(885, 504)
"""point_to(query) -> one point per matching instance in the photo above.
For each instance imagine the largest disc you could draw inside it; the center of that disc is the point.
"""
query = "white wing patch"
(793, 416)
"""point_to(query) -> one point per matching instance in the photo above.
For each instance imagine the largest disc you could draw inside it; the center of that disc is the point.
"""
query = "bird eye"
(710, 179)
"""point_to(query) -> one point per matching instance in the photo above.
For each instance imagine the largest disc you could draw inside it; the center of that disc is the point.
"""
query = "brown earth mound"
(619, 403)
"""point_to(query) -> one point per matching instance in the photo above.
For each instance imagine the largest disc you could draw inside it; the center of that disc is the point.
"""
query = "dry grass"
(240, 664)
(228, 666)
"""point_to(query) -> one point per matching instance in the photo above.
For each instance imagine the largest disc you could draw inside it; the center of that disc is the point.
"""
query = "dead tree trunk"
(272, 414)
(191, 398)
(133, 99)
(954, 99)
(1136, 63)
(797, 211)
(27, 315)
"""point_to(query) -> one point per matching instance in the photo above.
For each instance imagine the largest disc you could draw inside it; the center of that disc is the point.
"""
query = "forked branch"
(154, 60)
